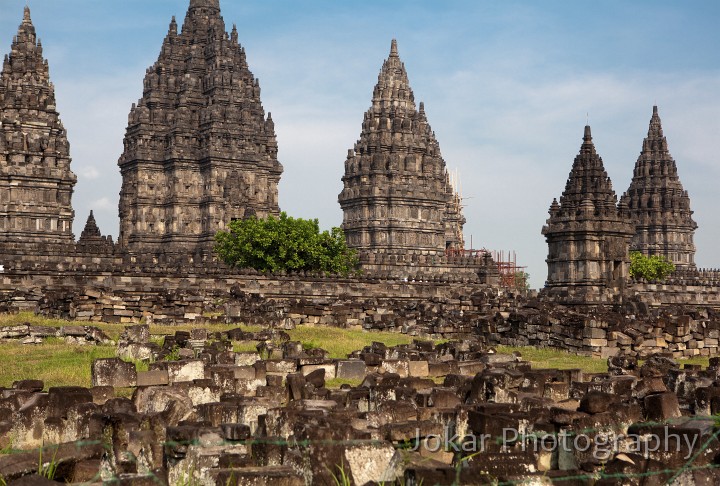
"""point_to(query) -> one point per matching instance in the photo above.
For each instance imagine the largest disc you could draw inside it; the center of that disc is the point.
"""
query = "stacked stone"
(199, 150)
(396, 197)
(36, 183)
(92, 241)
(659, 205)
(588, 233)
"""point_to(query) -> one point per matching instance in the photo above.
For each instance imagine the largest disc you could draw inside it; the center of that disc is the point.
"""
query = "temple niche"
(397, 198)
(36, 183)
(199, 149)
(658, 203)
(588, 232)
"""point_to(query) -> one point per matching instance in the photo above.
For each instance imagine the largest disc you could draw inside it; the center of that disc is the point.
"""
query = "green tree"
(522, 280)
(654, 267)
(285, 243)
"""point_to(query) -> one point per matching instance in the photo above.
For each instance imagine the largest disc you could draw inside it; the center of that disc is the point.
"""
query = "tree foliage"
(285, 243)
(654, 267)
(522, 280)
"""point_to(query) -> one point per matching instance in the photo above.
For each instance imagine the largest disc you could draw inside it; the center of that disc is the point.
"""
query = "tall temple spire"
(213, 4)
(659, 204)
(199, 125)
(588, 180)
(397, 196)
(34, 152)
(588, 234)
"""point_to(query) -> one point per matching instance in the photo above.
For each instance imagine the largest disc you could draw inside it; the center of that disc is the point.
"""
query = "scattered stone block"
(113, 372)
(662, 406)
(351, 370)
(153, 378)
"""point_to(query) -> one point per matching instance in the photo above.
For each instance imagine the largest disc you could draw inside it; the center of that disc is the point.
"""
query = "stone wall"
(646, 322)
(437, 306)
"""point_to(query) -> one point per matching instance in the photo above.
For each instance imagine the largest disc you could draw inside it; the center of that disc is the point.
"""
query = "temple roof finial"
(26, 15)
(205, 3)
(587, 137)
(394, 49)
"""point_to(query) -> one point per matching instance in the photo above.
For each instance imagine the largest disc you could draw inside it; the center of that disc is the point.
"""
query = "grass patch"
(703, 361)
(338, 382)
(245, 346)
(553, 358)
(341, 342)
(56, 364)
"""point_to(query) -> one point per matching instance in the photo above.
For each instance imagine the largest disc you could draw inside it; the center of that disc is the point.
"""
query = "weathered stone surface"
(662, 406)
(351, 369)
(588, 234)
(113, 372)
(658, 203)
(199, 150)
(152, 378)
(15, 466)
(34, 154)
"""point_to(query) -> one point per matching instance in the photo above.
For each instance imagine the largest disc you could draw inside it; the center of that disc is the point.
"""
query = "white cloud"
(89, 173)
(102, 204)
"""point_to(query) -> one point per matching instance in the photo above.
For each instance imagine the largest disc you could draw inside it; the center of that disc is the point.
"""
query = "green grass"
(338, 382)
(245, 346)
(553, 358)
(704, 361)
(341, 342)
(56, 364)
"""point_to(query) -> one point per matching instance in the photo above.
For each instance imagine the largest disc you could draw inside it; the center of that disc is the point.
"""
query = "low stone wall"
(433, 307)
(676, 292)
(680, 331)
(438, 307)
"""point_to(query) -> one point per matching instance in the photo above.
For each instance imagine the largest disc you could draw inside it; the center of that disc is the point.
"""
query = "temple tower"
(659, 206)
(199, 150)
(36, 183)
(92, 241)
(588, 233)
(397, 198)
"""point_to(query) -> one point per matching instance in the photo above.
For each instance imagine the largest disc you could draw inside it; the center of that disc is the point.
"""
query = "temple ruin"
(397, 197)
(200, 152)
(36, 183)
(658, 204)
(199, 149)
(588, 233)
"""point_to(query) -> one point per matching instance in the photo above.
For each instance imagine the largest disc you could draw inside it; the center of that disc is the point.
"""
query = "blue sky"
(507, 88)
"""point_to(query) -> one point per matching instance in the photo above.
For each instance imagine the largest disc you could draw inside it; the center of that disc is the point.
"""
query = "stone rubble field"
(418, 414)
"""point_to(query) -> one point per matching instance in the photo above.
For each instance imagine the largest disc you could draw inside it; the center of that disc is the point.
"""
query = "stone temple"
(588, 233)
(36, 183)
(658, 204)
(199, 149)
(397, 198)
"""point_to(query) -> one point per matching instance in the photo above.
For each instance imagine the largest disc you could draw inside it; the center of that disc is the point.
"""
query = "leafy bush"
(654, 267)
(285, 243)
